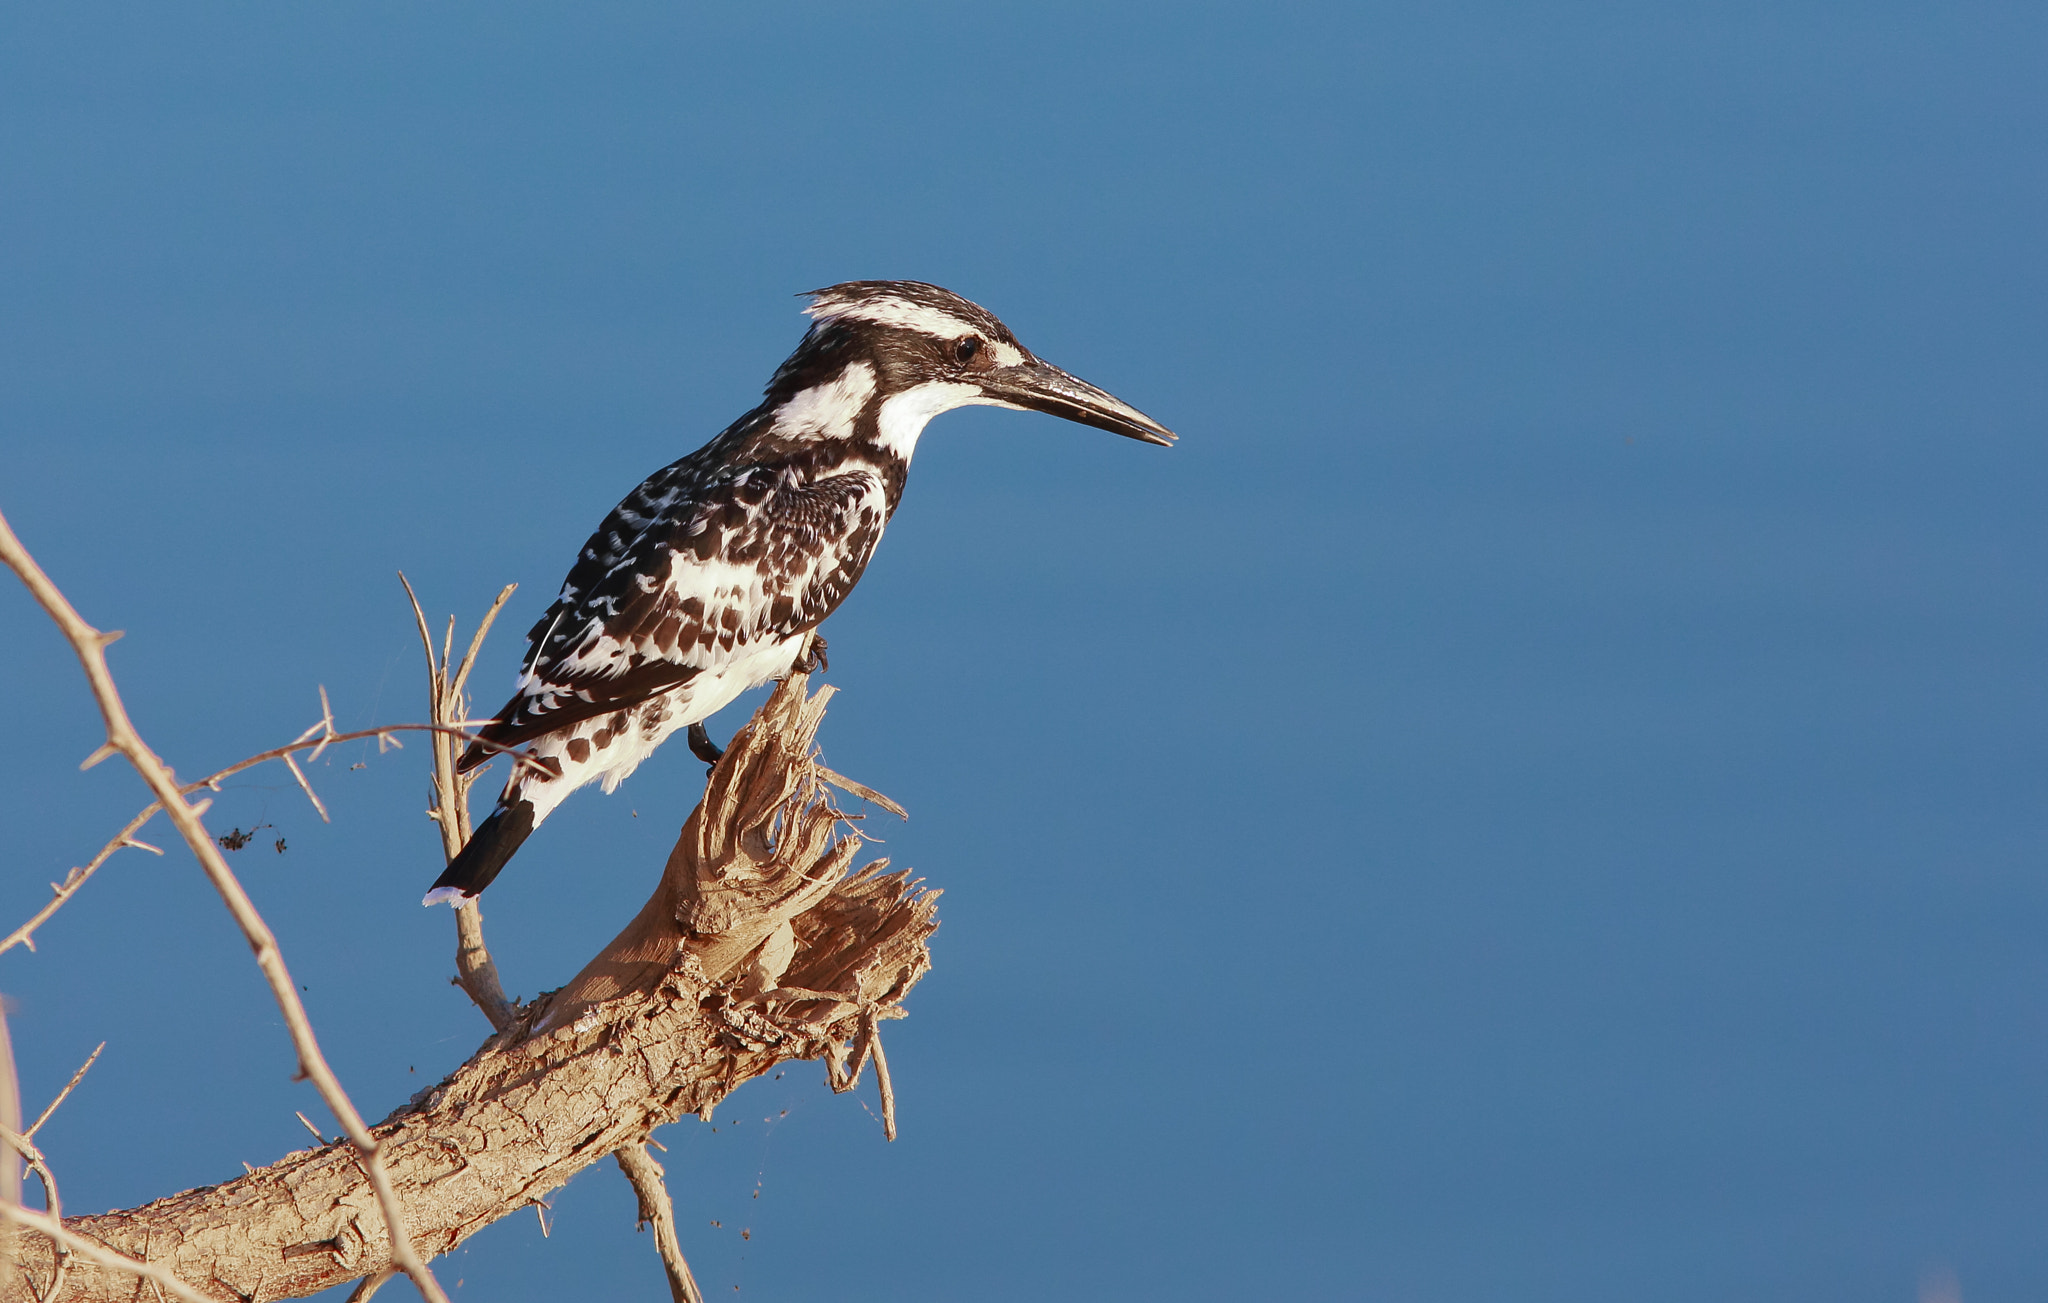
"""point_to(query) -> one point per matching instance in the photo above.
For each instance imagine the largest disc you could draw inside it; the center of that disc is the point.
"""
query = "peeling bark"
(760, 946)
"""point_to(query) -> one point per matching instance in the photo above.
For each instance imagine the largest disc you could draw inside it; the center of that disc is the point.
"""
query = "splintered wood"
(761, 945)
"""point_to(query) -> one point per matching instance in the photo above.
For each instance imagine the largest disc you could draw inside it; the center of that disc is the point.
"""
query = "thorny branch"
(33, 1156)
(10, 1171)
(24, 1145)
(760, 946)
(90, 645)
(657, 1209)
(65, 1093)
(448, 704)
(315, 740)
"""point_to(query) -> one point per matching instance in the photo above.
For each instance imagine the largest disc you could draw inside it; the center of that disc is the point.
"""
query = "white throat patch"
(904, 415)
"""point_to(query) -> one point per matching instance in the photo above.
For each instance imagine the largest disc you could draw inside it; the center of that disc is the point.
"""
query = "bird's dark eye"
(965, 350)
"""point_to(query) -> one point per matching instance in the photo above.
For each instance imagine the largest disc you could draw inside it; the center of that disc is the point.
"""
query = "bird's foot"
(702, 747)
(813, 657)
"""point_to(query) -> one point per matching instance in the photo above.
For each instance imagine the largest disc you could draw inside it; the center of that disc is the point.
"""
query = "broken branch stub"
(764, 845)
(760, 946)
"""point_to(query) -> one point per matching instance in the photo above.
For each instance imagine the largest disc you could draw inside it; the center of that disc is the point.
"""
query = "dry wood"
(315, 740)
(758, 947)
(10, 1166)
(90, 646)
(658, 1211)
(448, 707)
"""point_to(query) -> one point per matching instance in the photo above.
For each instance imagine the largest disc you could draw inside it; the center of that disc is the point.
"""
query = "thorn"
(111, 637)
(104, 750)
(305, 786)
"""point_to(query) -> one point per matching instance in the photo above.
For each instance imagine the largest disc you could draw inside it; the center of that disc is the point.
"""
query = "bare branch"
(657, 1209)
(10, 1171)
(371, 1284)
(475, 972)
(476, 643)
(65, 1093)
(863, 791)
(426, 638)
(99, 1253)
(63, 891)
(883, 1085)
(760, 946)
(54, 1203)
(90, 646)
(326, 724)
(305, 786)
(125, 839)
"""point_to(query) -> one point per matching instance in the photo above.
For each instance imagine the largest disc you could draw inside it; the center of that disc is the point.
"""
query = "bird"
(711, 576)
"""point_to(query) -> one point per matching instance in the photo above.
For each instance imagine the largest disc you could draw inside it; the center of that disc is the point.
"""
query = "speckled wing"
(685, 576)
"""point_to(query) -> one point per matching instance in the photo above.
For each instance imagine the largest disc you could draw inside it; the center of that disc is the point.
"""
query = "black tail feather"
(493, 843)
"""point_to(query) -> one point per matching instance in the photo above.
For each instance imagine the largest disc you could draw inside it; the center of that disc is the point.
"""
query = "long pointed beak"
(1042, 387)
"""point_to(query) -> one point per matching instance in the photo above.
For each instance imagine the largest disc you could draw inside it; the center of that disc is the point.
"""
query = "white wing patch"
(828, 409)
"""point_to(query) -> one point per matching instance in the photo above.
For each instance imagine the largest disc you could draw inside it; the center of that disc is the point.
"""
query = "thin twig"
(60, 1268)
(657, 1209)
(306, 787)
(863, 791)
(371, 1283)
(65, 1093)
(475, 972)
(98, 1253)
(476, 642)
(90, 645)
(883, 1084)
(125, 839)
(10, 1118)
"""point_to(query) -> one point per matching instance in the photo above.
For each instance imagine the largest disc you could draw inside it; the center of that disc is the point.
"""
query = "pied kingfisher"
(706, 580)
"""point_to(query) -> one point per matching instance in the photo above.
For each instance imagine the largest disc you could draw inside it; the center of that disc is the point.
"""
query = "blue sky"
(1540, 795)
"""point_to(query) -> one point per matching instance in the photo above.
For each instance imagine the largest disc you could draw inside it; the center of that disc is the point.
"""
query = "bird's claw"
(702, 747)
(813, 657)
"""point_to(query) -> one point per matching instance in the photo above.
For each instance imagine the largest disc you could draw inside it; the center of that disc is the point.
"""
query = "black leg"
(702, 747)
(813, 657)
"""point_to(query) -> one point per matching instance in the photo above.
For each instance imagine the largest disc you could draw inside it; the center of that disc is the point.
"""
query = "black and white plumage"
(706, 580)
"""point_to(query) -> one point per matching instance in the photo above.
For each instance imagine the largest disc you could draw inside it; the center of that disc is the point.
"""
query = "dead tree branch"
(448, 704)
(65, 1093)
(10, 1170)
(657, 1210)
(116, 1265)
(314, 740)
(760, 946)
(90, 646)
